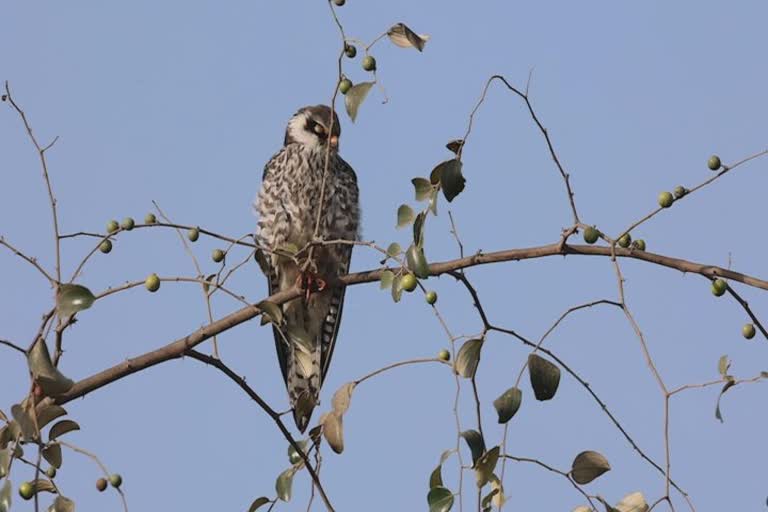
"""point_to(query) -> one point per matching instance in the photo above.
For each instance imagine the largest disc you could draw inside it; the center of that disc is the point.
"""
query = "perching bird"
(287, 205)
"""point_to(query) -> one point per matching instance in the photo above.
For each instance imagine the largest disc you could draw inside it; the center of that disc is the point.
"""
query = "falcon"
(288, 205)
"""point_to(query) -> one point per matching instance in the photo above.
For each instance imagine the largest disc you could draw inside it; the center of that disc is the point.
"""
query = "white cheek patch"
(297, 131)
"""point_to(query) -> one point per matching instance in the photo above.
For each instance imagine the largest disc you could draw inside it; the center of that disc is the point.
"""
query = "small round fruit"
(101, 484)
(50, 472)
(409, 282)
(294, 457)
(217, 255)
(350, 51)
(719, 287)
(193, 234)
(591, 234)
(345, 85)
(431, 297)
(666, 199)
(128, 223)
(639, 244)
(625, 240)
(340, 2)
(680, 191)
(444, 355)
(152, 283)
(26, 490)
(748, 331)
(150, 218)
(369, 63)
(112, 226)
(714, 163)
(105, 246)
(116, 480)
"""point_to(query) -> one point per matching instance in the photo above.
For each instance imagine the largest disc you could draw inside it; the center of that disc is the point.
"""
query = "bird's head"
(312, 127)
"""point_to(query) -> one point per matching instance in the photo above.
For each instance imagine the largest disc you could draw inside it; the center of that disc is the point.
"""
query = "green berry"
(101, 484)
(150, 218)
(345, 85)
(193, 234)
(51, 472)
(714, 163)
(591, 234)
(431, 297)
(409, 282)
(625, 240)
(444, 355)
(112, 226)
(350, 50)
(152, 283)
(27, 490)
(719, 287)
(680, 191)
(105, 246)
(217, 255)
(369, 63)
(748, 331)
(340, 2)
(639, 244)
(128, 223)
(666, 199)
(116, 480)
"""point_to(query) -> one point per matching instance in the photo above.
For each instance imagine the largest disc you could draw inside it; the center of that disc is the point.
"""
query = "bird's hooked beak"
(334, 140)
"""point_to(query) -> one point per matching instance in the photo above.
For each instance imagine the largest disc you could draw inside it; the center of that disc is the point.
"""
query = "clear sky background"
(184, 102)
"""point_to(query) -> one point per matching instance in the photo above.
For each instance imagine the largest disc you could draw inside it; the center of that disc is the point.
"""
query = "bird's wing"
(273, 281)
(330, 327)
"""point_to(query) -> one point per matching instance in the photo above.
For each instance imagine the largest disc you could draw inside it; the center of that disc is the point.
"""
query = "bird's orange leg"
(310, 283)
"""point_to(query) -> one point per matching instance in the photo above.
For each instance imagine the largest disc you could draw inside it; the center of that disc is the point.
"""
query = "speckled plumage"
(287, 206)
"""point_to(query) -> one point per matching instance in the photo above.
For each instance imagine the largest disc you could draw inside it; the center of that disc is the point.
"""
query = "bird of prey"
(288, 205)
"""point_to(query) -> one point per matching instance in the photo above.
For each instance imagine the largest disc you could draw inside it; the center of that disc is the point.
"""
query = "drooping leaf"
(417, 262)
(487, 499)
(498, 499)
(486, 465)
(258, 502)
(455, 145)
(728, 385)
(545, 377)
(404, 37)
(62, 428)
(62, 504)
(433, 198)
(634, 502)
(9, 432)
(355, 97)
(52, 453)
(436, 478)
(49, 413)
(476, 444)
(293, 455)
(5, 496)
(271, 312)
(284, 484)
(397, 288)
(72, 298)
(25, 422)
(440, 499)
(50, 379)
(468, 358)
(386, 279)
(422, 188)
(451, 179)
(508, 403)
(43, 485)
(5, 461)
(587, 466)
(418, 229)
(394, 249)
(405, 215)
(333, 431)
(723, 365)
(342, 397)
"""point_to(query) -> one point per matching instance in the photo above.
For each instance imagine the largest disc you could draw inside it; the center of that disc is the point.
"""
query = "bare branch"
(32, 261)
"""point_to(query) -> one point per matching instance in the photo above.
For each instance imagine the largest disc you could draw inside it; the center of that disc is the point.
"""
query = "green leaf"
(433, 202)
(508, 404)
(333, 430)
(422, 188)
(404, 37)
(486, 465)
(258, 502)
(49, 413)
(386, 279)
(25, 422)
(394, 249)
(634, 502)
(723, 365)
(284, 484)
(417, 263)
(62, 428)
(355, 97)
(5, 462)
(5, 496)
(62, 504)
(72, 298)
(451, 179)
(418, 229)
(476, 444)
(273, 312)
(436, 478)
(440, 499)
(468, 358)
(728, 385)
(397, 289)
(405, 215)
(293, 455)
(587, 466)
(52, 453)
(50, 379)
(545, 377)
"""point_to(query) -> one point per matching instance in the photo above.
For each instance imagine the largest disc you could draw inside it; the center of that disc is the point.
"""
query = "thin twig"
(13, 346)
(101, 465)
(554, 470)
(29, 259)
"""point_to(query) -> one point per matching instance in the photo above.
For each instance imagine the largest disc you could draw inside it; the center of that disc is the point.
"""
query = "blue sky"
(183, 103)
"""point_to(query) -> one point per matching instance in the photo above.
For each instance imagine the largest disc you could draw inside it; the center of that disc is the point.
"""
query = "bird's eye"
(319, 129)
